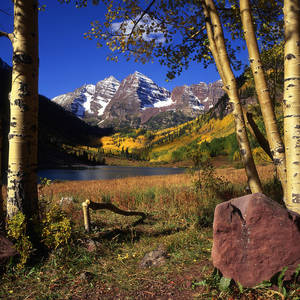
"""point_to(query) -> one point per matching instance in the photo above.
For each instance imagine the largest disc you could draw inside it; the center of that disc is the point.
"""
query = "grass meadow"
(180, 215)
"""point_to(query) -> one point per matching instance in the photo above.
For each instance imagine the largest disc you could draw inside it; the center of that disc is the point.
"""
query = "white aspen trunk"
(231, 88)
(22, 180)
(261, 87)
(291, 102)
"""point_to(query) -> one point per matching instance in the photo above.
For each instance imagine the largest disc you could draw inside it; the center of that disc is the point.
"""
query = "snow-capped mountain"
(137, 99)
(89, 99)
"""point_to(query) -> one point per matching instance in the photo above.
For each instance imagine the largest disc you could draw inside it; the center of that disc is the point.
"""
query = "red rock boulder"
(254, 238)
(7, 249)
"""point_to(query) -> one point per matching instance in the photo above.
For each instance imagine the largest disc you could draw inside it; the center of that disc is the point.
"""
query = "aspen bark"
(217, 44)
(291, 102)
(263, 94)
(1, 173)
(22, 161)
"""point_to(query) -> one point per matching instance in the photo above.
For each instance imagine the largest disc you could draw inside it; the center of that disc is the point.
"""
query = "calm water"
(105, 172)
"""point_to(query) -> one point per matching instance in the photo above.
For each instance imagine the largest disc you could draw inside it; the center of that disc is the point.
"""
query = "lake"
(104, 172)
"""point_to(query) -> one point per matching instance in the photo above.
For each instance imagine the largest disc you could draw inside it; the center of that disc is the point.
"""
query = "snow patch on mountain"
(149, 93)
(90, 99)
(137, 99)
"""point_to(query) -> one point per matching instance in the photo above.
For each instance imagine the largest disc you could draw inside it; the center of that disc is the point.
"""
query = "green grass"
(180, 218)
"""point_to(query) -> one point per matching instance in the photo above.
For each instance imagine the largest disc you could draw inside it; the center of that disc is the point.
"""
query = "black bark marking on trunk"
(291, 85)
(251, 60)
(24, 90)
(290, 56)
(291, 78)
(276, 161)
(243, 152)
(296, 163)
(296, 198)
(23, 106)
(297, 126)
(284, 101)
(295, 175)
(13, 124)
(22, 58)
(10, 136)
(289, 116)
(280, 150)
(298, 43)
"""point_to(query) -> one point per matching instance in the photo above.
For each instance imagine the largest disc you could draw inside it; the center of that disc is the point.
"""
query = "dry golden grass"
(121, 190)
(238, 176)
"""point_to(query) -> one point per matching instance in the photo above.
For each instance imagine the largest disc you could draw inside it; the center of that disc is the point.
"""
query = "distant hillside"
(58, 127)
(211, 134)
(62, 136)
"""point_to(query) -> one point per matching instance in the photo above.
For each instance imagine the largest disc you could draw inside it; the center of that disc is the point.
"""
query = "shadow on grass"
(129, 233)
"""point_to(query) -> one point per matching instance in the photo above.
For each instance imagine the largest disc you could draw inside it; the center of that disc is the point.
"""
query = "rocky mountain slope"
(137, 101)
(67, 128)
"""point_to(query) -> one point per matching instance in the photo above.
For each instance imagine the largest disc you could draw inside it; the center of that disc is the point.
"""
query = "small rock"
(86, 276)
(92, 246)
(7, 249)
(254, 238)
(154, 258)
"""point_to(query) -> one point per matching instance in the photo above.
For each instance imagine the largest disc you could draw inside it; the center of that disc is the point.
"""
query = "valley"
(95, 124)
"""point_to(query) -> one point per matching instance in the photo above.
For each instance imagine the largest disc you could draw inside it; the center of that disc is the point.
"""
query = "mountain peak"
(111, 78)
(138, 74)
(136, 99)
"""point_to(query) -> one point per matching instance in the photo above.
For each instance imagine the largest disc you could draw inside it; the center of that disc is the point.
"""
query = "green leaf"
(297, 271)
(241, 289)
(200, 283)
(281, 278)
(264, 284)
(224, 283)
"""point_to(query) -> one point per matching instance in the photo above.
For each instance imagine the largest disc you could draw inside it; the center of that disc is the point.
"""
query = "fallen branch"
(96, 206)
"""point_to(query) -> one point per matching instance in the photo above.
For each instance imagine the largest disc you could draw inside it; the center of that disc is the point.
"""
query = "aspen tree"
(218, 48)
(291, 102)
(1, 154)
(22, 162)
(263, 95)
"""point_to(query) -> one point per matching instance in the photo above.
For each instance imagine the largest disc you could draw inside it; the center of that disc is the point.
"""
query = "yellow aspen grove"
(263, 95)
(222, 59)
(291, 102)
(22, 162)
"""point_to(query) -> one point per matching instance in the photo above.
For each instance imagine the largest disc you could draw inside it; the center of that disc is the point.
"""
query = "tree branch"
(141, 17)
(263, 142)
(8, 35)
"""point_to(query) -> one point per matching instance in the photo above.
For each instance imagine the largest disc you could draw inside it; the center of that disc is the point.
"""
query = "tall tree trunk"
(218, 48)
(261, 87)
(2, 218)
(22, 162)
(291, 102)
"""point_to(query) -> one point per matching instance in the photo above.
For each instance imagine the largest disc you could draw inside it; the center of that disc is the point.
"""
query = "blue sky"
(67, 60)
